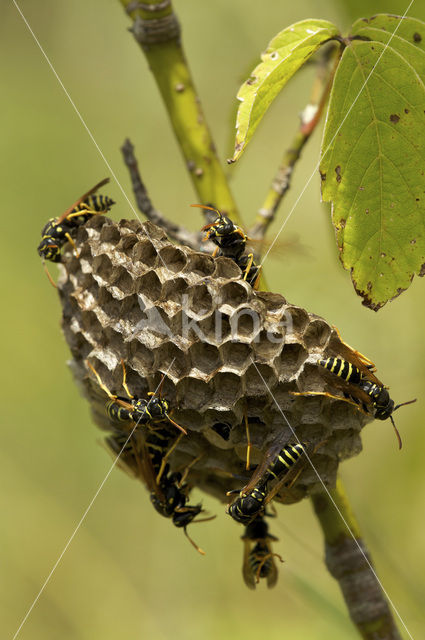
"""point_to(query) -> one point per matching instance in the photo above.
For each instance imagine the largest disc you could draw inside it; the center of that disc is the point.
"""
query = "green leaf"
(373, 156)
(286, 53)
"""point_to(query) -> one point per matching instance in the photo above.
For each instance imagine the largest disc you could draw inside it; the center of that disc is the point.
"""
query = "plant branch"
(365, 600)
(310, 117)
(157, 31)
(144, 203)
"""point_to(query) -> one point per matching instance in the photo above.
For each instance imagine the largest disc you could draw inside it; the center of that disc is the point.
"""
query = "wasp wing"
(340, 349)
(261, 469)
(247, 572)
(273, 572)
(82, 198)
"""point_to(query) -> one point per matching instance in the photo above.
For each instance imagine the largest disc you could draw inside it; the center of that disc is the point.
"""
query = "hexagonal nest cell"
(229, 358)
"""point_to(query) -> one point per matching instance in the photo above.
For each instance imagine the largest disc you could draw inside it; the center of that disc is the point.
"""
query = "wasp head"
(49, 249)
(183, 517)
(383, 403)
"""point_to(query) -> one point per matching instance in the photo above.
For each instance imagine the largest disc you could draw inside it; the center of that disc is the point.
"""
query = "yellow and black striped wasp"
(360, 387)
(280, 467)
(230, 241)
(57, 231)
(259, 559)
(146, 452)
(142, 411)
(146, 455)
(254, 497)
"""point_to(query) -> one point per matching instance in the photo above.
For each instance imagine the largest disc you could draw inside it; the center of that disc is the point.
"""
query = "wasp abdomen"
(343, 369)
(95, 203)
(285, 460)
(118, 413)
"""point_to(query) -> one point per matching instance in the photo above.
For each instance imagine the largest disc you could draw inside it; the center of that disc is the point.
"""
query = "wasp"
(230, 241)
(145, 458)
(122, 446)
(168, 492)
(259, 559)
(170, 497)
(256, 495)
(143, 411)
(146, 454)
(362, 388)
(57, 231)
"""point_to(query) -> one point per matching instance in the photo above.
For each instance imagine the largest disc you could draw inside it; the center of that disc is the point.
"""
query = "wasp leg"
(325, 394)
(187, 469)
(165, 458)
(330, 395)
(262, 563)
(72, 243)
(124, 380)
(101, 384)
(82, 212)
(158, 392)
(249, 265)
(279, 485)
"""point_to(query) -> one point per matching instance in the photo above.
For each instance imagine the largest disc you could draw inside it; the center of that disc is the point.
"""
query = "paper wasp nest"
(226, 351)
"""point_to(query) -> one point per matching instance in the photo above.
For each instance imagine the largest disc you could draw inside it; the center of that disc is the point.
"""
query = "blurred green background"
(129, 573)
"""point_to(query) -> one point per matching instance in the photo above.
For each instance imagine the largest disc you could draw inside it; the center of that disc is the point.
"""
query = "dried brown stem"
(174, 231)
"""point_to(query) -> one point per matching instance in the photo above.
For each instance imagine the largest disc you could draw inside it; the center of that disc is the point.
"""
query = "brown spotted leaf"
(373, 156)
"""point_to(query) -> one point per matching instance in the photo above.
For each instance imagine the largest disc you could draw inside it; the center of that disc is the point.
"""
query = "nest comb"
(227, 353)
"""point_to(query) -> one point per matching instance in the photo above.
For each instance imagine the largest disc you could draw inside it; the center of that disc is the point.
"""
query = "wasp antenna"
(161, 384)
(193, 543)
(52, 282)
(400, 444)
(204, 206)
(404, 403)
(176, 425)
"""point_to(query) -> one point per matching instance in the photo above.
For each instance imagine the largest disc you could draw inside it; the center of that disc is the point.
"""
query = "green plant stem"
(309, 119)
(345, 560)
(157, 31)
